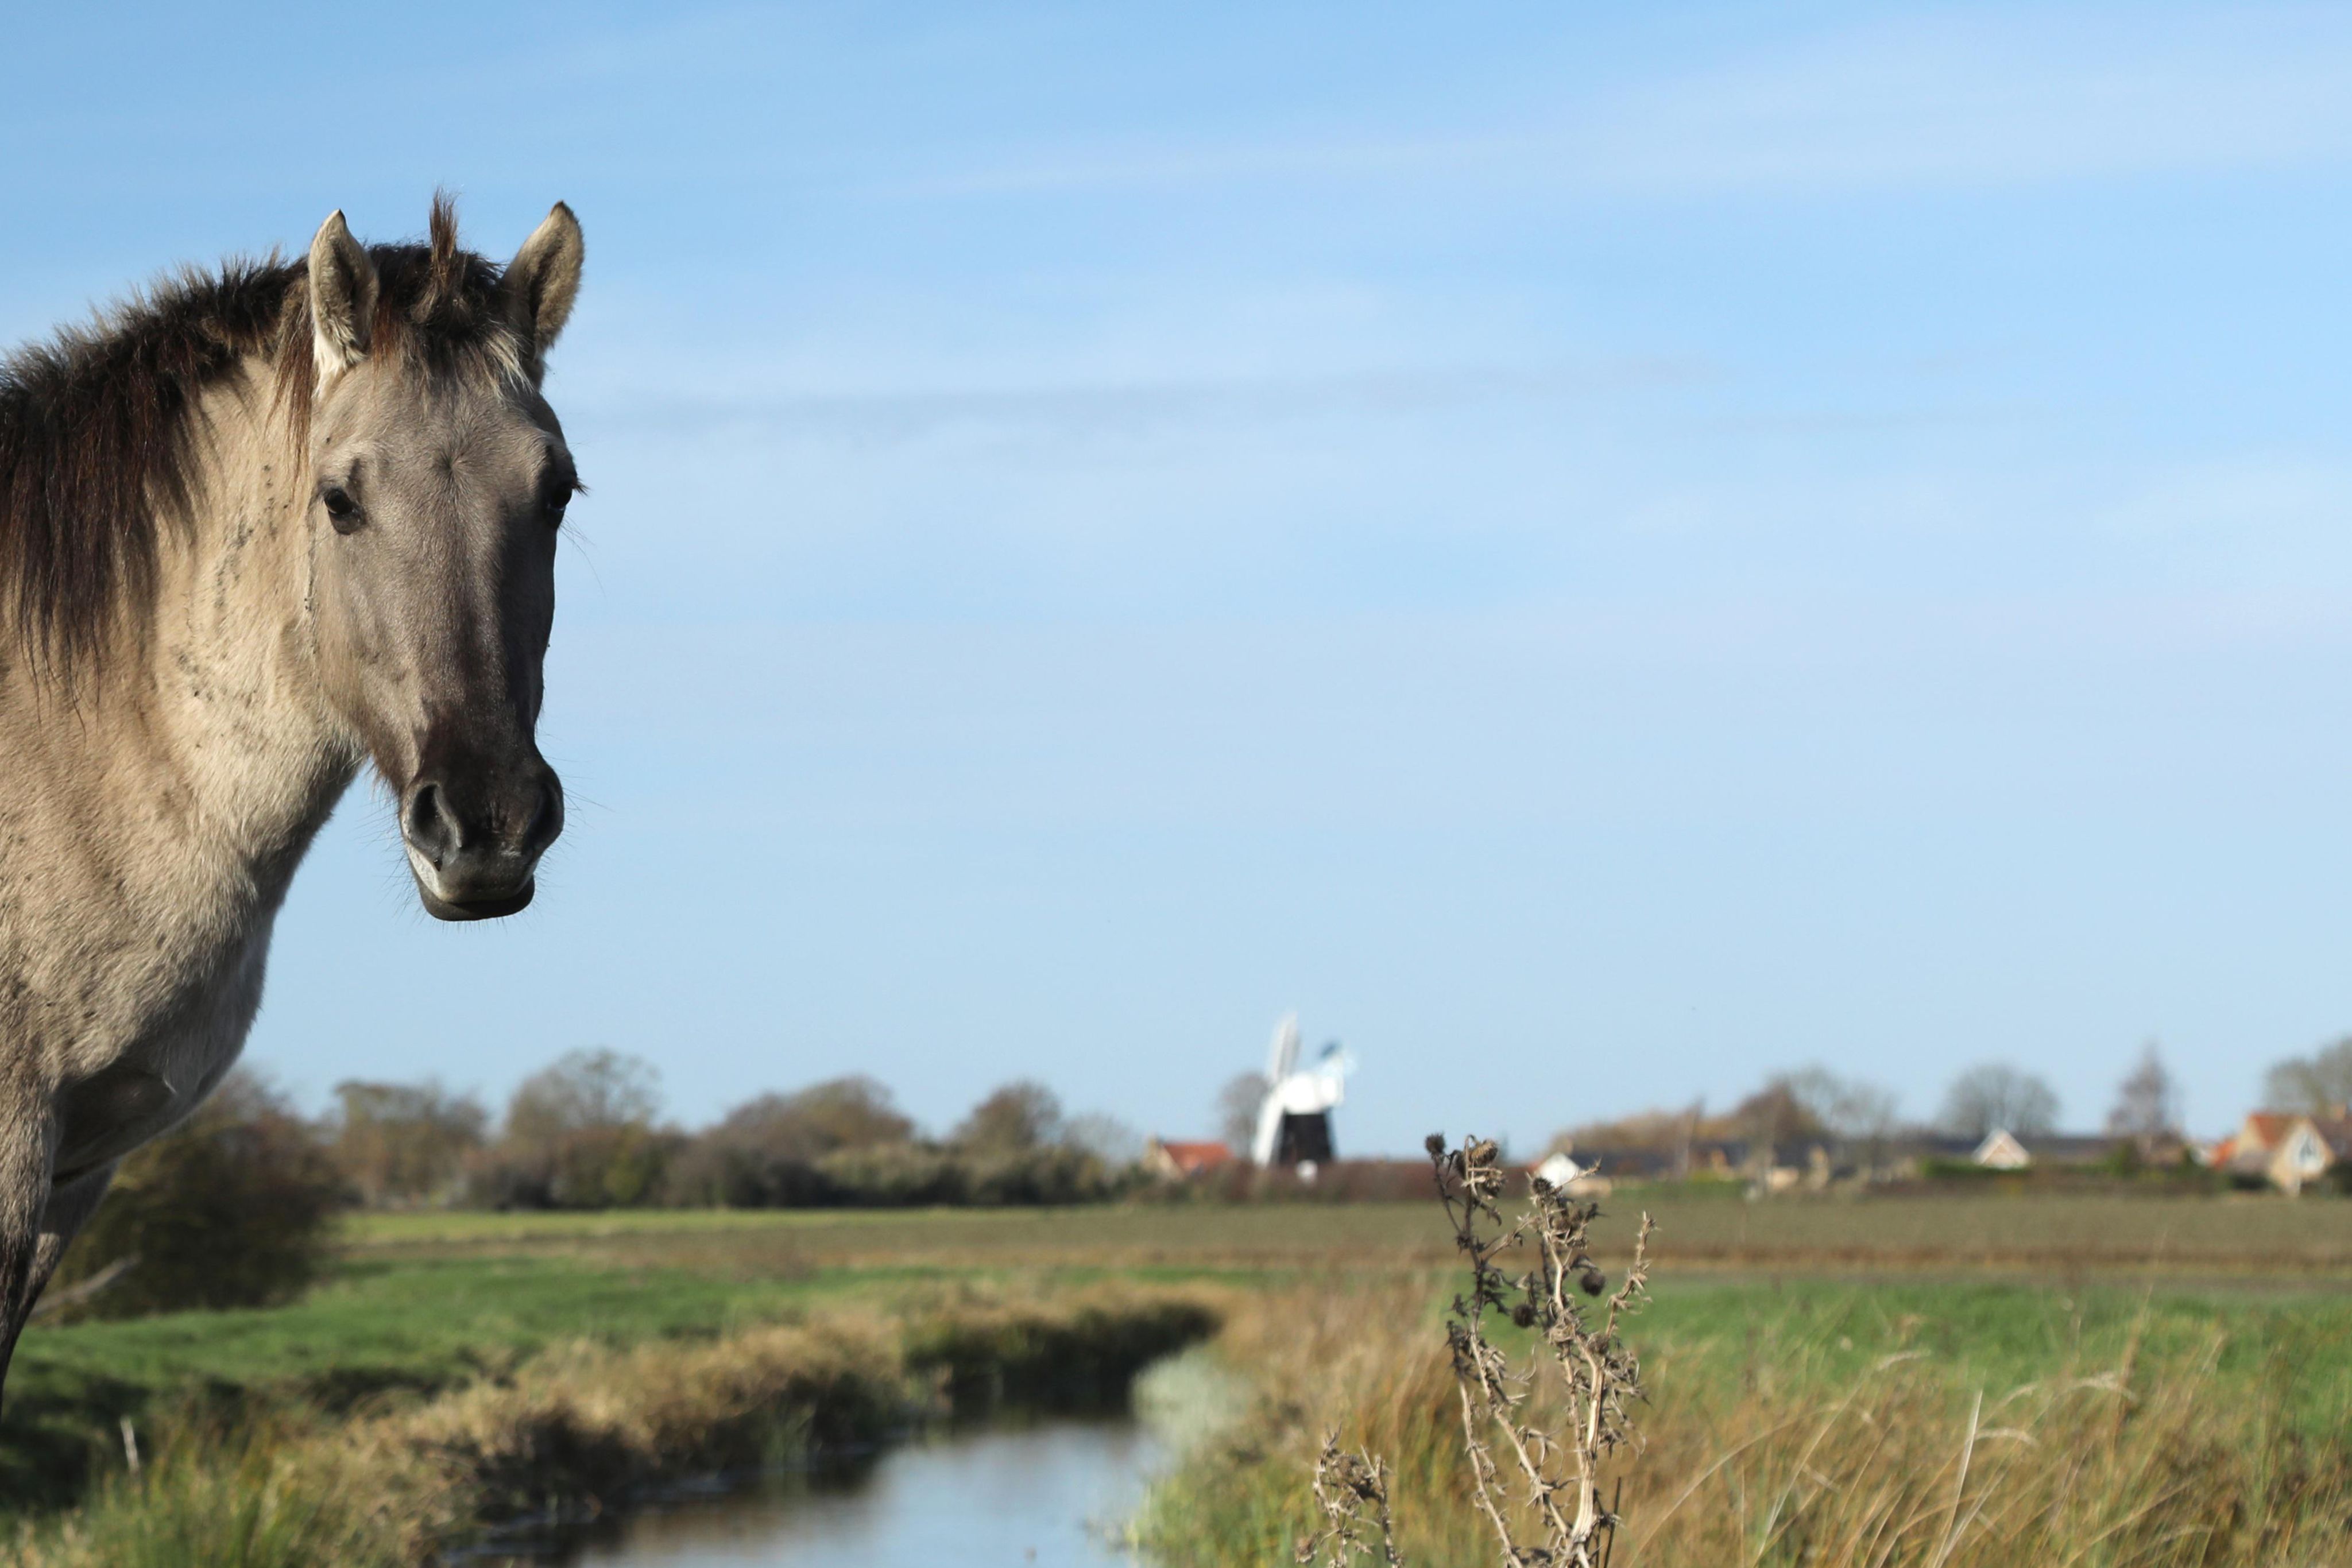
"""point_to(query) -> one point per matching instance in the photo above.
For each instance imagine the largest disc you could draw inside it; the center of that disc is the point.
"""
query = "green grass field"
(421, 1300)
(2042, 1235)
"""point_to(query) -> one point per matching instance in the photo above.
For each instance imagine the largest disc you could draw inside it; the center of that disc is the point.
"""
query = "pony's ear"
(343, 297)
(543, 279)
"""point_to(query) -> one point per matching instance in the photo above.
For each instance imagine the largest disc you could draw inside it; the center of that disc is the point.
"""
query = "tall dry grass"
(1754, 1452)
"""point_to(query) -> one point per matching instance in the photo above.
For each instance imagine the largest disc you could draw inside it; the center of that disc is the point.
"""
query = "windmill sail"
(1282, 1057)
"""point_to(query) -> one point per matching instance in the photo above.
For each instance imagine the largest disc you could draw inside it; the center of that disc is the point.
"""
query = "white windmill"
(1294, 1123)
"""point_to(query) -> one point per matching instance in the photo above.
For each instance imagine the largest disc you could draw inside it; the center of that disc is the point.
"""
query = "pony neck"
(227, 679)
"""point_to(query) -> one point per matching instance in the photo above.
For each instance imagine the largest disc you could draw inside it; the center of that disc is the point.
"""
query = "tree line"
(586, 1133)
(238, 1206)
(1814, 1104)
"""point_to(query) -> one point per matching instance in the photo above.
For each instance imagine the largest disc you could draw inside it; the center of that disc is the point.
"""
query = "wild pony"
(258, 528)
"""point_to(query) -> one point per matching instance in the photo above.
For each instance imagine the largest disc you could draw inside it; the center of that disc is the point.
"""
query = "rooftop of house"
(1190, 1157)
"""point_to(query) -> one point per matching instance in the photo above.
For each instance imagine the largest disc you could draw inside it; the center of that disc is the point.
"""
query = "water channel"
(1048, 1494)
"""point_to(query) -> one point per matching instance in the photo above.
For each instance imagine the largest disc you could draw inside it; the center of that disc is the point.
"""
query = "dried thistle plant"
(1599, 1374)
(1348, 1487)
(1554, 1475)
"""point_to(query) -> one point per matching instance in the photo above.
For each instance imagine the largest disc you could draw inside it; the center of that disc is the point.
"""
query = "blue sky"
(1595, 556)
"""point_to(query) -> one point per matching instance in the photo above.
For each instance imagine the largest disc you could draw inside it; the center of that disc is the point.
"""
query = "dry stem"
(1599, 1374)
(1346, 1485)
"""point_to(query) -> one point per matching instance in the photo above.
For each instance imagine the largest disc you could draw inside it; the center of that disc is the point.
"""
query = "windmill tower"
(1294, 1123)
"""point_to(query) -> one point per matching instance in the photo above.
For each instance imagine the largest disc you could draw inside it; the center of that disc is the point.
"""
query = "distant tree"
(2147, 1105)
(768, 1152)
(581, 1134)
(1020, 1117)
(845, 1143)
(2320, 1084)
(1854, 1109)
(1237, 1108)
(235, 1208)
(1017, 1147)
(839, 1113)
(1995, 1095)
(1774, 1115)
(1644, 1130)
(585, 1089)
(404, 1143)
(1106, 1137)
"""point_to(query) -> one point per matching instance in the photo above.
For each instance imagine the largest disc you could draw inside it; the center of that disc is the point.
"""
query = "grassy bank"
(374, 1330)
(1832, 1425)
(583, 1426)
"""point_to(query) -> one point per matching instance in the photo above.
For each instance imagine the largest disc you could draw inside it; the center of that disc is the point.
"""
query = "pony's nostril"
(547, 822)
(430, 829)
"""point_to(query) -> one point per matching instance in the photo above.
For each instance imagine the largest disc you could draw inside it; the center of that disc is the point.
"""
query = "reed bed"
(582, 1428)
(1770, 1448)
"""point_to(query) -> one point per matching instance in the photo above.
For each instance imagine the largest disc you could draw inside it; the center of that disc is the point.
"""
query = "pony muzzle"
(474, 844)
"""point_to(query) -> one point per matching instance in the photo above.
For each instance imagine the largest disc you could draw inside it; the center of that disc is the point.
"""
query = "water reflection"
(1041, 1495)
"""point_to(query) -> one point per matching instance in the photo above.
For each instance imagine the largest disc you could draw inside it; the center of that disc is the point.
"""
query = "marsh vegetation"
(2171, 1373)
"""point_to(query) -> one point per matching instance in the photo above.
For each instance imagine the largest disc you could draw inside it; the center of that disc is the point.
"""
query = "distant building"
(2000, 1151)
(2286, 1148)
(1177, 1161)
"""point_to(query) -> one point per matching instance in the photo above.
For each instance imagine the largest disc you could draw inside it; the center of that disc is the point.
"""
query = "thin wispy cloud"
(1930, 101)
(1105, 406)
(1953, 101)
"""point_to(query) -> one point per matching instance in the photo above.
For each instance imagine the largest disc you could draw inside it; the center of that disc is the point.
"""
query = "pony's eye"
(555, 504)
(341, 510)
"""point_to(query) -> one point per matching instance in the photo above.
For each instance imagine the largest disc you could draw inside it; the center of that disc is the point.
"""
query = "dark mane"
(99, 426)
